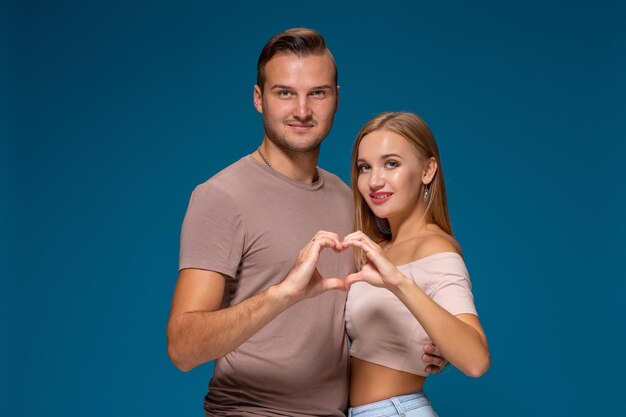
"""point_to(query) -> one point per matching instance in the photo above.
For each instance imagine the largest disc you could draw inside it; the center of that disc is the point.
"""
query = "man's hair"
(297, 41)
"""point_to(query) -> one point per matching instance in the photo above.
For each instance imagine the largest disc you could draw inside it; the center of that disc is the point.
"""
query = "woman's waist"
(370, 382)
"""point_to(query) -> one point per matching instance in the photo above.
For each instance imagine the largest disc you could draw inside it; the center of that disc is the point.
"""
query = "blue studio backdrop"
(112, 112)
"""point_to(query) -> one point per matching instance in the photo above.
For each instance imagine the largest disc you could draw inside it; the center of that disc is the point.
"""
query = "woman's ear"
(430, 169)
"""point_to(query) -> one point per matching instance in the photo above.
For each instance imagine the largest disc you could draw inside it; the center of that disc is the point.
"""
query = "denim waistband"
(392, 406)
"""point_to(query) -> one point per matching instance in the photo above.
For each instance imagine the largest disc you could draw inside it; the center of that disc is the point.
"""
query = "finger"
(432, 370)
(435, 369)
(319, 243)
(352, 278)
(323, 241)
(431, 349)
(330, 235)
(330, 284)
(370, 251)
(334, 237)
(327, 233)
(357, 243)
(360, 236)
(354, 235)
(433, 360)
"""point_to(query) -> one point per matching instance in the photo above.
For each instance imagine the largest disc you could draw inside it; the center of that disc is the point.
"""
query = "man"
(275, 326)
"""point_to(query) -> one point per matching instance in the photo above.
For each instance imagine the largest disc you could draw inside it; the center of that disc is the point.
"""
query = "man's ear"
(430, 169)
(258, 99)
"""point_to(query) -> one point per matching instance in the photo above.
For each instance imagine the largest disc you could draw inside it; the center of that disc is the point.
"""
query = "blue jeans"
(411, 405)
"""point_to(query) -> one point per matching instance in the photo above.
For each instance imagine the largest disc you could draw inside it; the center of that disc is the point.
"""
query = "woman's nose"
(376, 180)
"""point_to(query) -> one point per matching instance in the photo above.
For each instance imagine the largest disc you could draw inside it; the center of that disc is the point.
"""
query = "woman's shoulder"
(435, 241)
(437, 255)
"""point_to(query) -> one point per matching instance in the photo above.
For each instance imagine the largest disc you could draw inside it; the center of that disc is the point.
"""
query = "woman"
(412, 286)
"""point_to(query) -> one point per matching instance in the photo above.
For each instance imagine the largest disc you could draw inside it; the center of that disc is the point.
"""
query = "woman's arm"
(460, 339)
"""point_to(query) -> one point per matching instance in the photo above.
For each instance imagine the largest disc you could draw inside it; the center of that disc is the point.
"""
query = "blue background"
(111, 112)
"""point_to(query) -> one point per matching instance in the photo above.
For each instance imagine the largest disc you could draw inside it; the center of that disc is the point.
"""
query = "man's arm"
(198, 332)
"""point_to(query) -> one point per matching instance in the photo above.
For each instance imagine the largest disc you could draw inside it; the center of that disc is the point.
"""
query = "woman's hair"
(298, 41)
(411, 127)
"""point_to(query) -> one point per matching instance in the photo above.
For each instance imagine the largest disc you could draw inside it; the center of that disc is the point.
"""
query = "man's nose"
(302, 110)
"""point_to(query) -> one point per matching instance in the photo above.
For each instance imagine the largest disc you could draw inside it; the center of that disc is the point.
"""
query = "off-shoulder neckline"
(431, 257)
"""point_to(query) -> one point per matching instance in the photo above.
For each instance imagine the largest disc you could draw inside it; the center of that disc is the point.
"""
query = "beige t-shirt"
(385, 332)
(249, 222)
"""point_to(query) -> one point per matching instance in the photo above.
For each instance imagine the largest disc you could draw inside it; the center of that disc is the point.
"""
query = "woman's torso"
(371, 381)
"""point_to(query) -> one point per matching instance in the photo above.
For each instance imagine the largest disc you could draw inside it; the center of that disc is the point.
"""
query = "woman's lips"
(380, 197)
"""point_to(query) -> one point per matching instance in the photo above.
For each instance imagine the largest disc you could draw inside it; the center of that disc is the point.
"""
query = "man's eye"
(284, 93)
(318, 93)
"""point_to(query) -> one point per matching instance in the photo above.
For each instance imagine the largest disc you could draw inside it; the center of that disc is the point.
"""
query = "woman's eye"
(362, 168)
(391, 164)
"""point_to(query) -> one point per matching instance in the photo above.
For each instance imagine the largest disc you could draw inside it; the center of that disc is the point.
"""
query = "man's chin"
(299, 145)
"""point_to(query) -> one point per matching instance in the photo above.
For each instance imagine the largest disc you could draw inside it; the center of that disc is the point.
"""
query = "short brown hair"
(297, 41)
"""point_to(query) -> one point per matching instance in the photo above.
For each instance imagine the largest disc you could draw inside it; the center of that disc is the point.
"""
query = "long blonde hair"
(416, 131)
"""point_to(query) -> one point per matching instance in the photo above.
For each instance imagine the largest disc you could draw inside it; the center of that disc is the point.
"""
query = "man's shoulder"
(228, 179)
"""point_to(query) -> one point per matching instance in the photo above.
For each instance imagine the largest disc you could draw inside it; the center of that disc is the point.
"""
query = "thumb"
(352, 278)
(329, 284)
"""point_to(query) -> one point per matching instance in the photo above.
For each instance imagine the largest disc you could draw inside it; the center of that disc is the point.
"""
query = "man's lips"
(380, 197)
(300, 126)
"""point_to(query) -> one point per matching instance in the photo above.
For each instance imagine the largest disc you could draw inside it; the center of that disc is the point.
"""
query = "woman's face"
(390, 174)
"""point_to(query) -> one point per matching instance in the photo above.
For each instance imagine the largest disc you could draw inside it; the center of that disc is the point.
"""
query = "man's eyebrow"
(323, 87)
(281, 86)
(286, 87)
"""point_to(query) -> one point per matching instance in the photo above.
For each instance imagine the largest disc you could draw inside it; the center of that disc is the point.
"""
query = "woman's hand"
(377, 270)
(459, 338)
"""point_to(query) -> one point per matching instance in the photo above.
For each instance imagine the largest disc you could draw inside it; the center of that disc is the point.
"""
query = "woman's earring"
(426, 192)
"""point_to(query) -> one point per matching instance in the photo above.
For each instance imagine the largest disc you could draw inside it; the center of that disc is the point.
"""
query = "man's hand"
(304, 280)
(433, 357)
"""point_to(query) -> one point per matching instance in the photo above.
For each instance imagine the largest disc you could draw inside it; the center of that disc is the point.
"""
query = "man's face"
(298, 101)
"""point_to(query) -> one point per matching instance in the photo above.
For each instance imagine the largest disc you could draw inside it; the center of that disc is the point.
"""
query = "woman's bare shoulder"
(435, 240)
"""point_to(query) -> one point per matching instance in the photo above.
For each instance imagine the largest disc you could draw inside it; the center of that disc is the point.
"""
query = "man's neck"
(299, 166)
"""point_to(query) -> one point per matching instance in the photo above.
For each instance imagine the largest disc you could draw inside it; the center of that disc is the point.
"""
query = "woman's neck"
(407, 228)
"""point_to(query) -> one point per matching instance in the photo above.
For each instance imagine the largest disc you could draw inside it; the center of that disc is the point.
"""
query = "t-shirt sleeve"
(452, 289)
(212, 236)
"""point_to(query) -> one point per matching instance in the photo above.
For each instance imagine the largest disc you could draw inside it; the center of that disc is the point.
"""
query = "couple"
(259, 291)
